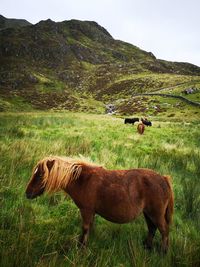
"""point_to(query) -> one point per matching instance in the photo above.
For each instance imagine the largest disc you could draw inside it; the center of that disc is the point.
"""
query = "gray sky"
(170, 29)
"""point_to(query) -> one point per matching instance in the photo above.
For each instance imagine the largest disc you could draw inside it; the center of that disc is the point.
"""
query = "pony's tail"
(170, 207)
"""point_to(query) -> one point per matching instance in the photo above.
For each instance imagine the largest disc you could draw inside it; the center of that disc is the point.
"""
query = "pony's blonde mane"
(63, 171)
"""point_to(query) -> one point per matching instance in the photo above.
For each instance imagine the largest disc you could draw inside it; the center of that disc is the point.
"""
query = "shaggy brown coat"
(140, 128)
(117, 195)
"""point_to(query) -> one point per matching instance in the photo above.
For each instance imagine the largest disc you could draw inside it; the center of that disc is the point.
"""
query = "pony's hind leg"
(151, 232)
(87, 217)
(163, 228)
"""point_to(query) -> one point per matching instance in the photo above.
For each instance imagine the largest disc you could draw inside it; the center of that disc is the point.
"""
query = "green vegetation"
(44, 232)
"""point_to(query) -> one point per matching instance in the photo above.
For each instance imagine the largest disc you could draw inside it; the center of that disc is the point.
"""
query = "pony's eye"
(38, 177)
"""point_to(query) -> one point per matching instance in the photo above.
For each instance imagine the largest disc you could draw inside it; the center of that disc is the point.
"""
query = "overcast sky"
(170, 29)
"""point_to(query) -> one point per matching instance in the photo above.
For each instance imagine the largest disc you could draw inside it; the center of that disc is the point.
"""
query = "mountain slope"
(64, 64)
(12, 23)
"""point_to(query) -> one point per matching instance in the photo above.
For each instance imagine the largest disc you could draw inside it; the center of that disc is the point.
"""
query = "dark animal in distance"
(117, 195)
(130, 120)
(140, 128)
(146, 122)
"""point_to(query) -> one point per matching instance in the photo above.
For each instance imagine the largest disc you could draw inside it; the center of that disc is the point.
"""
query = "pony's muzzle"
(29, 195)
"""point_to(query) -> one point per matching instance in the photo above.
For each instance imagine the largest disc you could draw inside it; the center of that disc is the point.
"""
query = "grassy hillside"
(62, 65)
(44, 231)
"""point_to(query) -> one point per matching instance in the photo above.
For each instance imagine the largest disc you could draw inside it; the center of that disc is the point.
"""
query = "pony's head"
(36, 185)
(52, 174)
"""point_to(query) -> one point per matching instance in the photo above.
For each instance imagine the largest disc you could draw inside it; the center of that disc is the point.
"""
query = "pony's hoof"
(81, 245)
(164, 250)
(146, 245)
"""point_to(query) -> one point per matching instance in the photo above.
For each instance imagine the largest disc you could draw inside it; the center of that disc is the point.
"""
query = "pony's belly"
(118, 214)
(120, 220)
(115, 204)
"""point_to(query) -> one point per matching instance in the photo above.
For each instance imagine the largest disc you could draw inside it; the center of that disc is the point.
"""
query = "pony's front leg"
(87, 217)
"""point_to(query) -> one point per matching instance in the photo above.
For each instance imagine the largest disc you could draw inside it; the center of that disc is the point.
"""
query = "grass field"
(44, 232)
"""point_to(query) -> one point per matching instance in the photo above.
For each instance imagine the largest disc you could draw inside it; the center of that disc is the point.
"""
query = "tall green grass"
(44, 231)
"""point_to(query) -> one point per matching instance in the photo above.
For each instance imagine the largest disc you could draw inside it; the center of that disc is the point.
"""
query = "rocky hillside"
(78, 64)
(12, 23)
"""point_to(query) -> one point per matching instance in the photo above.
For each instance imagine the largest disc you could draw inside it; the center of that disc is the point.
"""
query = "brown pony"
(117, 195)
(140, 128)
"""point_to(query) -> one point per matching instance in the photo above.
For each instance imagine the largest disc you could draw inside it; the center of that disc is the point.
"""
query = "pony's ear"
(50, 164)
